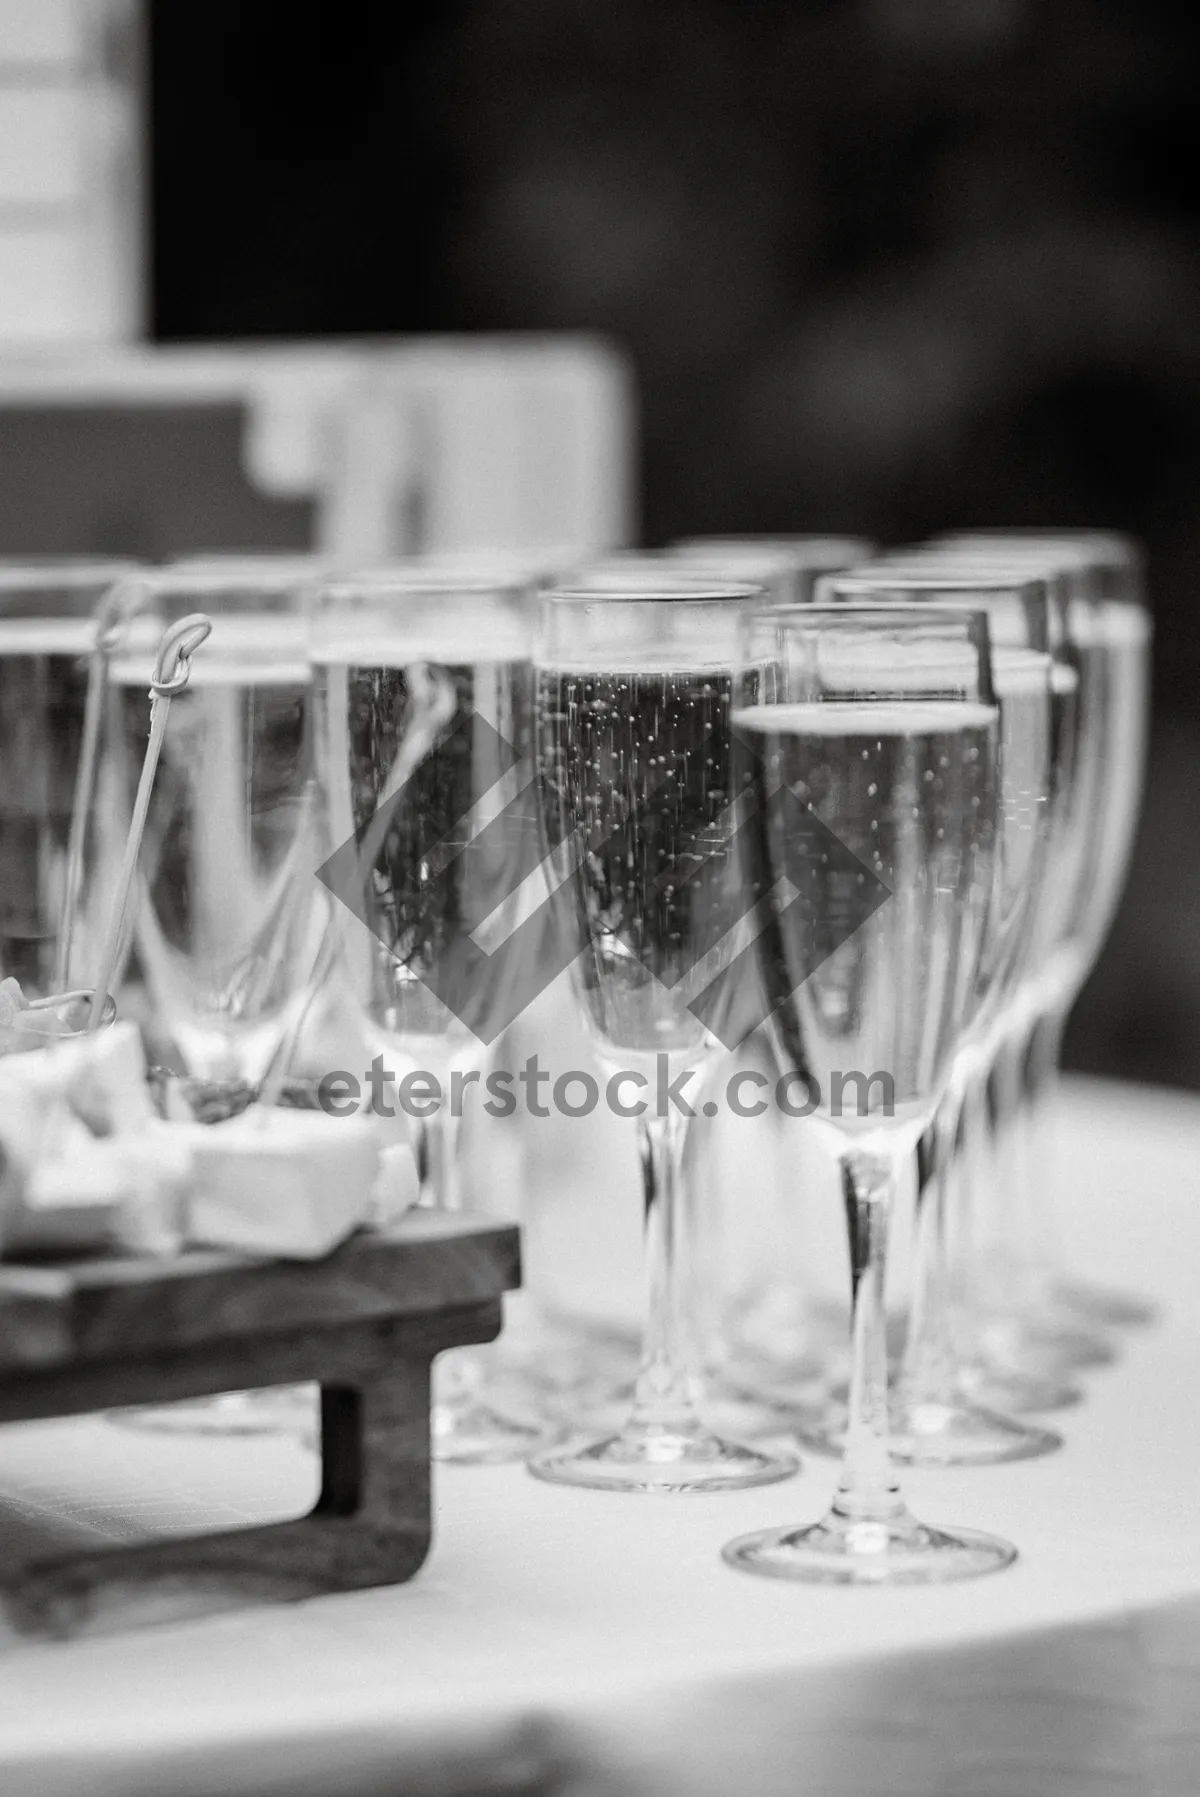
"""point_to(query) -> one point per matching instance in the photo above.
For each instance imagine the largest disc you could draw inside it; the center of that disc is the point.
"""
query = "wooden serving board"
(364, 1325)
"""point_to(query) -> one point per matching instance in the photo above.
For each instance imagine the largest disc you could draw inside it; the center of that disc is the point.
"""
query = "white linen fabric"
(579, 1642)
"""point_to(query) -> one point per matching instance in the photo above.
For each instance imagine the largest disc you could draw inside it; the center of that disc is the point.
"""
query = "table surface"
(560, 1640)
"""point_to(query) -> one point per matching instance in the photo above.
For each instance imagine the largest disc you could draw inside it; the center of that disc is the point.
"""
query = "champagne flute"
(47, 635)
(634, 747)
(932, 1421)
(225, 922)
(1110, 630)
(873, 730)
(1012, 1358)
(777, 1333)
(792, 563)
(422, 695)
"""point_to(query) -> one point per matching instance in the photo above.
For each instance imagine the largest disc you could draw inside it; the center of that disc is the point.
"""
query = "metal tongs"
(172, 670)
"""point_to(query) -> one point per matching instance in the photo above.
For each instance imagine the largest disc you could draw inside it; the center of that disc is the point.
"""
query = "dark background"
(883, 266)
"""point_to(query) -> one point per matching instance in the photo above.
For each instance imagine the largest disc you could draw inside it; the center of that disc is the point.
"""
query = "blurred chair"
(363, 449)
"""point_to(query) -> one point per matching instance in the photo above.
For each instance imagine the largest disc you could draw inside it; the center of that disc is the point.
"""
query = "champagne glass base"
(740, 1416)
(1053, 1345)
(777, 1388)
(844, 1551)
(1045, 1341)
(961, 1434)
(1015, 1393)
(663, 1460)
(938, 1434)
(465, 1430)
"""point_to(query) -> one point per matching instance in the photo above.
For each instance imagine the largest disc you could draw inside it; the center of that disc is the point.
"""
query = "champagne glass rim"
(925, 627)
(700, 590)
(769, 538)
(818, 615)
(962, 579)
(803, 554)
(376, 582)
(1119, 546)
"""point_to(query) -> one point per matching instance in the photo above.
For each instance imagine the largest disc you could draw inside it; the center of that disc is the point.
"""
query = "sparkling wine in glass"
(422, 686)
(933, 1421)
(871, 733)
(47, 636)
(1108, 639)
(635, 755)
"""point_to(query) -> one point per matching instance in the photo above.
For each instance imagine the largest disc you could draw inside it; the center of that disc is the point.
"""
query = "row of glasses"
(560, 1367)
(769, 1335)
(412, 646)
(999, 1364)
(998, 1337)
(1027, 1342)
(1023, 621)
(1109, 639)
(838, 771)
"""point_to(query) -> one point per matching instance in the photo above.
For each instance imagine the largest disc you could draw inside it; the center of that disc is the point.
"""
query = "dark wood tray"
(364, 1324)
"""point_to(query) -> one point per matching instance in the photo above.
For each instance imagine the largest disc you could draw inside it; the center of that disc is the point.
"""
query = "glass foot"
(1051, 1345)
(843, 1551)
(1104, 1305)
(740, 1416)
(568, 1362)
(1046, 1343)
(464, 1430)
(960, 1434)
(663, 1460)
(936, 1434)
(1014, 1393)
(782, 1390)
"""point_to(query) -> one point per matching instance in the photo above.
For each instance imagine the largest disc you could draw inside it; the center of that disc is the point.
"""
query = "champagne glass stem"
(1005, 1253)
(1023, 1227)
(929, 1371)
(665, 1444)
(933, 1422)
(666, 1387)
(1079, 1303)
(1039, 1073)
(868, 1536)
(1022, 1328)
(464, 1425)
(435, 1149)
(868, 1490)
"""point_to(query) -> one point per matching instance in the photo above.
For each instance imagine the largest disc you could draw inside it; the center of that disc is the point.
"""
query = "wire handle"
(173, 663)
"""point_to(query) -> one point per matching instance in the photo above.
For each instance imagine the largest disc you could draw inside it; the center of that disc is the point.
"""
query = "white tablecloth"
(568, 1641)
